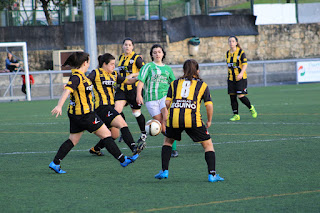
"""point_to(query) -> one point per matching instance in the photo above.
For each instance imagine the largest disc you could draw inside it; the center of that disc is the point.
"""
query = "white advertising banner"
(308, 71)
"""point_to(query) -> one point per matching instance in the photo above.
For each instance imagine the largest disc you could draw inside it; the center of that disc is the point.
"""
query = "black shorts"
(107, 113)
(129, 96)
(90, 122)
(237, 87)
(197, 134)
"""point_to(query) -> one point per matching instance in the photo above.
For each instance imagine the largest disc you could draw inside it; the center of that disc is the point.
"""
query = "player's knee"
(136, 113)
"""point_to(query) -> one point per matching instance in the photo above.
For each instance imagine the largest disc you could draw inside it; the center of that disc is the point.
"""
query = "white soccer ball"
(153, 127)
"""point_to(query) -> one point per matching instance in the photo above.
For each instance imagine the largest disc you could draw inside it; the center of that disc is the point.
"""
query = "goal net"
(11, 81)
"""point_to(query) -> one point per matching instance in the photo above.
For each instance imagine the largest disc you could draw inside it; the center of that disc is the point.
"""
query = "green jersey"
(156, 79)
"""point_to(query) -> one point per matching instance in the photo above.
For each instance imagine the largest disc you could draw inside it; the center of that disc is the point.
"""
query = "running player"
(81, 114)
(156, 77)
(183, 102)
(130, 62)
(104, 81)
(237, 78)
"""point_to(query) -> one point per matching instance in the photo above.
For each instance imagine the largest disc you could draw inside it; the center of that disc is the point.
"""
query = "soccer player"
(237, 78)
(156, 77)
(81, 114)
(183, 102)
(104, 80)
(130, 62)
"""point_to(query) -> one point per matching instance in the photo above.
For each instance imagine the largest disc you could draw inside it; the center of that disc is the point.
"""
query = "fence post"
(297, 75)
(51, 86)
(264, 75)
(11, 88)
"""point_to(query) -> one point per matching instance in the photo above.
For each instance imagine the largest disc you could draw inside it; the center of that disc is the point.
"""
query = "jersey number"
(185, 89)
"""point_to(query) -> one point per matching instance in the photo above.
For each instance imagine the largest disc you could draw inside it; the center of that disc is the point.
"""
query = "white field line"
(184, 145)
(134, 122)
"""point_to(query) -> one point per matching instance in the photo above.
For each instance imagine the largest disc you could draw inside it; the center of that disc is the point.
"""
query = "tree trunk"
(137, 9)
(125, 10)
(45, 4)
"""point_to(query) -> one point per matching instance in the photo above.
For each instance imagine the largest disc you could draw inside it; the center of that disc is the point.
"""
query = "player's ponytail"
(76, 59)
(190, 69)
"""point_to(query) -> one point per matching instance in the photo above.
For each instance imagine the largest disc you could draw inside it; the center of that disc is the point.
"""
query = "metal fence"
(49, 84)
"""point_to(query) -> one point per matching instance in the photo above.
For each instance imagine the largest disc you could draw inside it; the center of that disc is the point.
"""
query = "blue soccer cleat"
(214, 178)
(162, 174)
(56, 168)
(128, 160)
(134, 157)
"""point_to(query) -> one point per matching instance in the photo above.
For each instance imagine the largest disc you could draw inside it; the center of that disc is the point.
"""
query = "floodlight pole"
(90, 35)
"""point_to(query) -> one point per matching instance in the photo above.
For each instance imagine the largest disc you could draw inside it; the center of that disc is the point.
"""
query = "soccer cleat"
(162, 174)
(94, 152)
(253, 112)
(174, 153)
(235, 117)
(141, 144)
(214, 178)
(143, 137)
(134, 157)
(56, 168)
(128, 160)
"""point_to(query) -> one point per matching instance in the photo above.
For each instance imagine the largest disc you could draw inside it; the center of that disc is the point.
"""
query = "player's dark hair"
(238, 45)
(158, 46)
(105, 58)
(128, 39)
(76, 59)
(190, 69)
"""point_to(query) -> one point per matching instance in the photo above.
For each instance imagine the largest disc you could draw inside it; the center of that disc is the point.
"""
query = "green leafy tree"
(7, 4)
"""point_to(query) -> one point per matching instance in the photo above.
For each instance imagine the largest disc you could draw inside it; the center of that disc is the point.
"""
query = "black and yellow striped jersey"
(185, 97)
(81, 96)
(235, 61)
(104, 84)
(128, 65)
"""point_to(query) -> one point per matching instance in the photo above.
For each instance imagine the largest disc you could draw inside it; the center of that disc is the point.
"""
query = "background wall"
(272, 42)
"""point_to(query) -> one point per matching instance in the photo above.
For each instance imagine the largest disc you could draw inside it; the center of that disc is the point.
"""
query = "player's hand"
(57, 110)
(239, 77)
(139, 100)
(208, 124)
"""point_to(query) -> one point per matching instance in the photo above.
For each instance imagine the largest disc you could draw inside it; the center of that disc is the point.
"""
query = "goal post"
(25, 62)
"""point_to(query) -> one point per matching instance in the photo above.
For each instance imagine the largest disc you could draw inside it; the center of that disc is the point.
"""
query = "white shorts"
(154, 107)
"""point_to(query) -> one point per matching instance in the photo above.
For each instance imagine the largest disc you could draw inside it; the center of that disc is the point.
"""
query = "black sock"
(245, 101)
(113, 149)
(124, 117)
(99, 146)
(142, 123)
(63, 151)
(127, 137)
(234, 104)
(211, 162)
(165, 156)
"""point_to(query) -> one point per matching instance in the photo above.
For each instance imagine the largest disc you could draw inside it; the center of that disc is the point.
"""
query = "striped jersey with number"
(128, 65)
(235, 61)
(80, 97)
(104, 84)
(156, 79)
(185, 100)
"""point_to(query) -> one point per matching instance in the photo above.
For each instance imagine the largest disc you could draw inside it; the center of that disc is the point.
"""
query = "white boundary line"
(184, 145)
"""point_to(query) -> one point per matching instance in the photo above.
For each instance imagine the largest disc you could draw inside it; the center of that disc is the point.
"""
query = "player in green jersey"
(156, 78)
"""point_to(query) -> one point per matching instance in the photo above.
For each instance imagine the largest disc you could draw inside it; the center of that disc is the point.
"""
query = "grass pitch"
(270, 164)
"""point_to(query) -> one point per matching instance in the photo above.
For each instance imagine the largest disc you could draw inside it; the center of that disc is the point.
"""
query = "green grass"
(270, 164)
(247, 5)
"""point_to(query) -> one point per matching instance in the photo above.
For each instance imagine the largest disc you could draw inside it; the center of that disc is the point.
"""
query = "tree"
(46, 4)
(7, 4)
